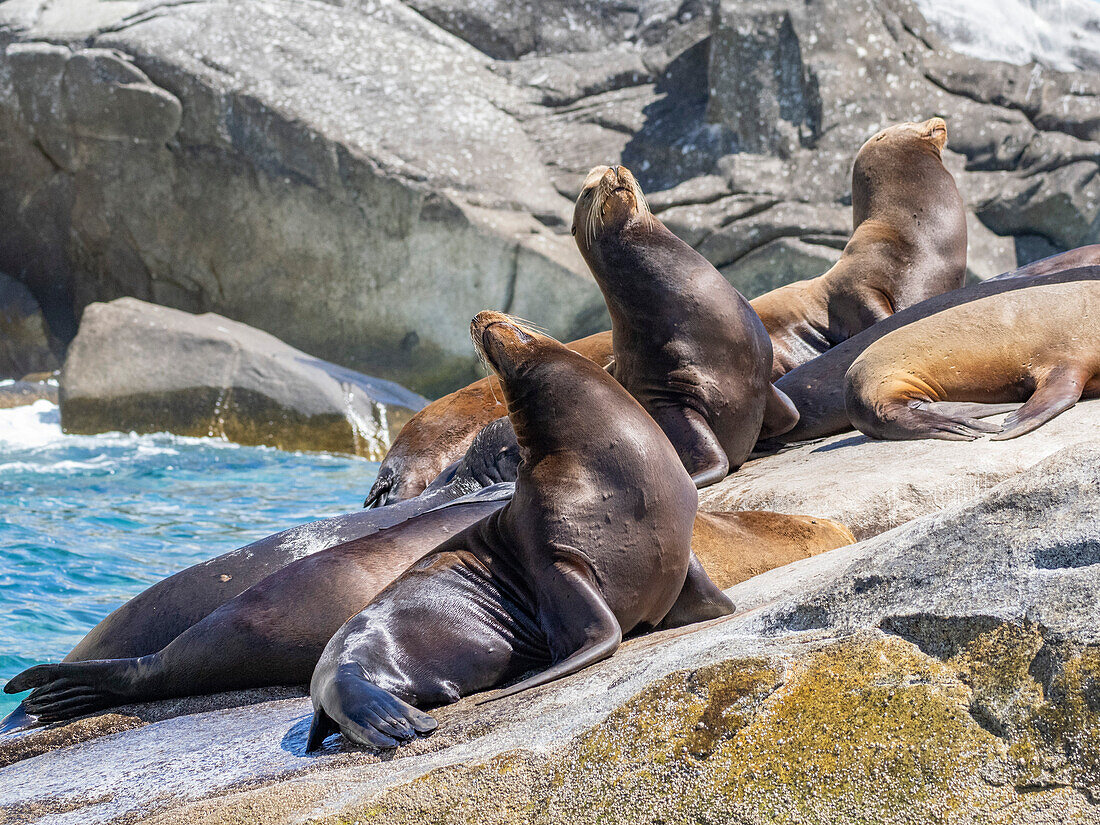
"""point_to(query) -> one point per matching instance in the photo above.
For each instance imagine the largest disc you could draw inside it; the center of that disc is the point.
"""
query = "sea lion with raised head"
(595, 545)
(686, 344)
(938, 377)
(908, 244)
(817, 388)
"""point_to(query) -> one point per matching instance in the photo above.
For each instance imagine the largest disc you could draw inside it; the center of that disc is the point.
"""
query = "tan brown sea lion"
(686, 344)
(817, 388)
(908, 244)
(594, 545)
(937, 377)
(735, 546)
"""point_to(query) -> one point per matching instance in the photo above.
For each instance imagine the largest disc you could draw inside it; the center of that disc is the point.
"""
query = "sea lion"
(270, 634)
(735, 546)
(938, 377)
(594, 545)
(155, 617)
(440, 433)
(686, 344)
(817, 388)
(908, 244)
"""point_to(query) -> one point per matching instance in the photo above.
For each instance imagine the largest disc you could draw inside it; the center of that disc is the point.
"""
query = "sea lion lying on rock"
(596, 544)
(270, 634)
(818, 388)
(908, 244)
(937, 377)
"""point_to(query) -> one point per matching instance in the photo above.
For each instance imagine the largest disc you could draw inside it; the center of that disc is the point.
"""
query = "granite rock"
(361, 178)
(140, 367)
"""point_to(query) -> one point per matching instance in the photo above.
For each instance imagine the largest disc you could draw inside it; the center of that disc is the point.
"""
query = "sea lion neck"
(636, 265)
(875, 180)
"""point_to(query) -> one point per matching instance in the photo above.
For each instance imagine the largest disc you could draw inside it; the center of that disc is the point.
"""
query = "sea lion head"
(505, 344)
(610, 198)
(899, 155)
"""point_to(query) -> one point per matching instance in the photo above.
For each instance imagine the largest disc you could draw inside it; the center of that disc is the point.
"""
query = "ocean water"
(87, 522)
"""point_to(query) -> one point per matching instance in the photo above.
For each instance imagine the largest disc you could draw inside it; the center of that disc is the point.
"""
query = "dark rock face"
(26, 345)
(361, 179)
(144, 368)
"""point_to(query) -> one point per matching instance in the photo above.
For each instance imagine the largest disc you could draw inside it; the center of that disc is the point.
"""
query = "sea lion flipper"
(1059, 391)
(364, 713)
(699, 600)
(780, 414)
(379, 494)
(959, 410)
(698, 447)
(576, 620)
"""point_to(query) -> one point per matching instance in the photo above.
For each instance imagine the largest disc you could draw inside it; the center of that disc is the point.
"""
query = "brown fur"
(908, 244)
(735, 546)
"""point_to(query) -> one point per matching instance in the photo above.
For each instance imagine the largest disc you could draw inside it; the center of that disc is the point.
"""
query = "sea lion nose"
(615, 171)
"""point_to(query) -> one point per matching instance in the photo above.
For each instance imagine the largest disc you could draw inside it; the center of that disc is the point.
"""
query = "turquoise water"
(87, 522)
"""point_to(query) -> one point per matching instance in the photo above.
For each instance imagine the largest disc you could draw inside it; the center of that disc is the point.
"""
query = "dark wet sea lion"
(156, 616)
(1071, 259)
(687, 345)
(270, 634)
(439, 434)
(937, 377)
(817, 388)
(908, 244)
(594, 545)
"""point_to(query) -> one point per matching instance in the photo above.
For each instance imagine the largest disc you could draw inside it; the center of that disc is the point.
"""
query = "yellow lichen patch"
(1057, 741)
(865, 731)
(858, 731)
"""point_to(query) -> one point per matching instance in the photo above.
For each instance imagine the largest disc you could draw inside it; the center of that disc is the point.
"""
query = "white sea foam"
(38, 426)
(1059, 34)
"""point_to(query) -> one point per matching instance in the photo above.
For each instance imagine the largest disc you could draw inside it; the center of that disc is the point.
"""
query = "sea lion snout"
(609, 198)
(498, 338)
(936, 130)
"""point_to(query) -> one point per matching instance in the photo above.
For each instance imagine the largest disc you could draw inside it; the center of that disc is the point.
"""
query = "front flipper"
(1055, 394)
(780, 414)
(699, 600)
(695, 443)
(579, 625)
(363, 712)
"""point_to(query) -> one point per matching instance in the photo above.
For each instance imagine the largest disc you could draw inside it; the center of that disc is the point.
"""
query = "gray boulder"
(414, 163)
(947, 665)
(26, 344)
(144, 368)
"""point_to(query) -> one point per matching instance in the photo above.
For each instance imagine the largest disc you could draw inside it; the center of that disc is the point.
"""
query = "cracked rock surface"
(945, 670)
(361, 178)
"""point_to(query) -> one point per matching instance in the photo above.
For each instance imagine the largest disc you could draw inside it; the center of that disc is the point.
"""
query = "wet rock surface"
(139, 367)
(945, 668)
(360, 179)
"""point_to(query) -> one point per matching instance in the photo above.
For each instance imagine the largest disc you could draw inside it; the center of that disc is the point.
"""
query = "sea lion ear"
(573, 230)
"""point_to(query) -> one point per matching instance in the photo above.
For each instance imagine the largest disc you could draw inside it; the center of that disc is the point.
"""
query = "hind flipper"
(699, 600)
(696, 444)
(69, 689)
(780, 414)
(965, 410)
(364, 713)
(1059, 391)
(579, 625)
